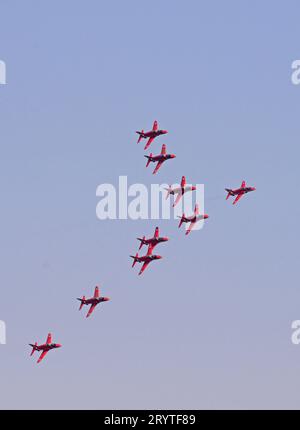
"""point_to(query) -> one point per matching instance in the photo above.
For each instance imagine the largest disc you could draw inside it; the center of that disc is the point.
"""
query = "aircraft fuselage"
(155, 240)
(243, 190)
(95, 300)
(161, 157)
(152, 133)
(182, 190)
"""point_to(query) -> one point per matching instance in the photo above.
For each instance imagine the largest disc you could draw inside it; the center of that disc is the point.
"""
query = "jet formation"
(151, 242)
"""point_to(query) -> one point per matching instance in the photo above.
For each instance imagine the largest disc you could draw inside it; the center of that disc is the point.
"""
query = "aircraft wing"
(145, 265)
(163, 150)
(43, 354)
(96, 293)
(49, 338)
(158, 165)
(91, 310)
(191, 226)
(155, 126)
(239, 196)
(179, 195)
(149, 142)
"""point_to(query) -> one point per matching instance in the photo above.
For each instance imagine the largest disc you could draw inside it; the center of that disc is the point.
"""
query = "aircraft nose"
(173, 156)
(159, 257)
(194, 188)
(206, 216)
(58, 345)
(106, 299)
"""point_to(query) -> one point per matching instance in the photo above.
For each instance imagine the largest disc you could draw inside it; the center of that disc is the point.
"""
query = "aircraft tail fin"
(142, 242)
(229, 193)
(181, 220)
(81, 302)
(140, 135)
(149, 159)
(134, 259)
(33, 348)
(168, 191)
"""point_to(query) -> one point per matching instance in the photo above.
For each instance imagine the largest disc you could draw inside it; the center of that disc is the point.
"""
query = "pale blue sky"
(209, 325)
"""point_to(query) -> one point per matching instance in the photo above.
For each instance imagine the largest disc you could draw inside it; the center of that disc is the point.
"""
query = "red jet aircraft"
(150, 134)
(160, 159)
(45, 348)
(94, 301)
(192, 219)
(239, 192)
(153, 241)
(180, 190)
(146, 259)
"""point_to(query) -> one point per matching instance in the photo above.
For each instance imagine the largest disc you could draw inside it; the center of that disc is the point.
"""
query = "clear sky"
(208, 326)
